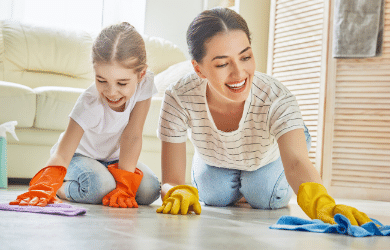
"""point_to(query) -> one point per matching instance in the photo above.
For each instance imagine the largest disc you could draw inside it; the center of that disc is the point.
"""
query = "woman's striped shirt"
(269, 112)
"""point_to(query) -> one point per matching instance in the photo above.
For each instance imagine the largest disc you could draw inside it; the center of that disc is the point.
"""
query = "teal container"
(3, 163)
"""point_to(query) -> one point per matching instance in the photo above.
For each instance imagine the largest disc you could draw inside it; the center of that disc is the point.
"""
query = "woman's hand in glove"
(182, 197)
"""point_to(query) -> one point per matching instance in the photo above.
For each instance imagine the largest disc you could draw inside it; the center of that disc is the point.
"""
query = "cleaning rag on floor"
(57, 209)
(358, 28)
(343, 226)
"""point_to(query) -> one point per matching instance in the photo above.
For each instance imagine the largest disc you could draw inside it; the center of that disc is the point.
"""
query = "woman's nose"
(237, 70)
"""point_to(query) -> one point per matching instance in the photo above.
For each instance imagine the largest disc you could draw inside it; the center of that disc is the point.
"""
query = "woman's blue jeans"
(88, 181)
(264, 188)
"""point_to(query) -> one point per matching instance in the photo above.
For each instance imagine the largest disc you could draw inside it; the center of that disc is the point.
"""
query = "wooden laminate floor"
(238, 227)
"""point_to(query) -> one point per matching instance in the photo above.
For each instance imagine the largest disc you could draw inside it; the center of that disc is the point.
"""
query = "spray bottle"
(4, 128)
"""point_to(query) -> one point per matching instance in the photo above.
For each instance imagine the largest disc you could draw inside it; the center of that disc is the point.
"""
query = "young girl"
(96, 158)
(249, 137)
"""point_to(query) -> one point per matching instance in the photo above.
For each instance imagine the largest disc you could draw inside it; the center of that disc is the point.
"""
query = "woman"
(249, 137)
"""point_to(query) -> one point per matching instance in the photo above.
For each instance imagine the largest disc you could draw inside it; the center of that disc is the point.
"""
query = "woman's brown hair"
(209, 23)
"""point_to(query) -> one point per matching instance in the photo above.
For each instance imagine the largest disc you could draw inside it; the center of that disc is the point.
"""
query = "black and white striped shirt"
(269, 112)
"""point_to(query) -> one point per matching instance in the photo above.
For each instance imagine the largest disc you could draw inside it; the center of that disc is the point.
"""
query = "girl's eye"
(122, 84)
(246, 58)
(222, 65)
(101, 81)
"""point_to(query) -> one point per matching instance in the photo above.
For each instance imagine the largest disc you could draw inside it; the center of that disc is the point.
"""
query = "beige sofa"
(42, 73)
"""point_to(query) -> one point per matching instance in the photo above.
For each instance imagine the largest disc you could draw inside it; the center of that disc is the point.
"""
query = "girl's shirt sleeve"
(173, 122)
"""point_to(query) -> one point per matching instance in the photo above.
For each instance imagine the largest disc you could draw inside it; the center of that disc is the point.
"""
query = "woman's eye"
(246, 58)
(122, 84)
(222, 65)
(101, 81)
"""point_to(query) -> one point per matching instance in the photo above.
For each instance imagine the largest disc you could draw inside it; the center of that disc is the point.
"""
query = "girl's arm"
(131, 139)
(295, 157)
(173, 165)
(67, 146)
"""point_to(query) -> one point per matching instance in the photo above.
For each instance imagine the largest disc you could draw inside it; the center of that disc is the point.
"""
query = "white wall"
(170, 19)
(256, 13)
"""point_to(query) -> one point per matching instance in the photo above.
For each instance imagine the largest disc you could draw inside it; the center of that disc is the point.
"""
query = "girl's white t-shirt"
(269, 112)
(103, 126)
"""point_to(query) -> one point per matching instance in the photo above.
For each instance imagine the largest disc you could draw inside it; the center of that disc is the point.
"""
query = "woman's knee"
(216, 186)
(267, 187)
(281, 194)
(218, 192)
(276, 197)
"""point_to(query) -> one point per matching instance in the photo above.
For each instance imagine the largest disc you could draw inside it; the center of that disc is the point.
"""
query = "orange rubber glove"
(181, 197)
(317, 204)
(43, 187)
(127, 184)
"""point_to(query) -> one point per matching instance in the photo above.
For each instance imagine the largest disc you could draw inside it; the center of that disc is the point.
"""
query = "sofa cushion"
(161, 53)
(17, 103)
(171, 75)
(151, 122)
(35, 136)
(54, 105)
(38, 56)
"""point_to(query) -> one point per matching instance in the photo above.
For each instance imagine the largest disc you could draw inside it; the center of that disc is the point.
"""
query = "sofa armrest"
(17, 103)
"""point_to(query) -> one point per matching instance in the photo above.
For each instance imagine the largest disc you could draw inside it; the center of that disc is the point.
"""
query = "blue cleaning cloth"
(343, 226)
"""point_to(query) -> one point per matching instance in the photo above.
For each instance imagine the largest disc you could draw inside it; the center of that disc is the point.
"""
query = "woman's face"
(228, 65)
(116, 84)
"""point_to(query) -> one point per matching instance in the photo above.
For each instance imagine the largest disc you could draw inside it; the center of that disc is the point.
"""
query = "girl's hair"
(120, 43)
(209, 23)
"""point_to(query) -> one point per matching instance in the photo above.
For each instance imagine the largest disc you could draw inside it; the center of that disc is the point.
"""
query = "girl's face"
(116, 84)
(228, 65)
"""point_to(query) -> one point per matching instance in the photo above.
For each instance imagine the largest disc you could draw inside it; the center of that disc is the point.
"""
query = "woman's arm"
(312, 196)
(173, 165)
(67, 146)
(131, 139)
(295, 157)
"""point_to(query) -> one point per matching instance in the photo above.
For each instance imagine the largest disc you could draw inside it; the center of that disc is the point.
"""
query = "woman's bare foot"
(242, 200)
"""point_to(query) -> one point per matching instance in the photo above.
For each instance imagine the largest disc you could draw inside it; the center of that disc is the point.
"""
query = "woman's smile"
(237, 87)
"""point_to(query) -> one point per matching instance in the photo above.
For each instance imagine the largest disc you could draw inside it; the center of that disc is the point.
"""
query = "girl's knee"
(90, 188)
(149, 190)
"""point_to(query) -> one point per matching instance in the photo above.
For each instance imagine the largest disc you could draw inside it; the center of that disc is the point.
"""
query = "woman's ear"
(197, 69)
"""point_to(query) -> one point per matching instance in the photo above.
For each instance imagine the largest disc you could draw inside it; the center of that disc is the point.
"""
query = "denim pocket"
(281, 194)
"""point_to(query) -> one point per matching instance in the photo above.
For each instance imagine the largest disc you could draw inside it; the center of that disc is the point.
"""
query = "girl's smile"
(116, 84)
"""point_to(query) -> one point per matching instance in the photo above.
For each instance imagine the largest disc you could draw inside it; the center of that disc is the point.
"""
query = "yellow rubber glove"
(181, 197)
(318, 204)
